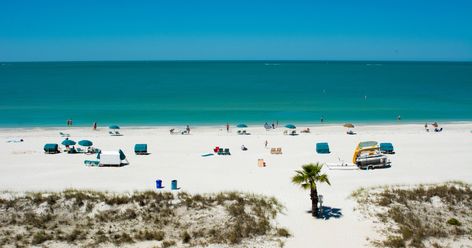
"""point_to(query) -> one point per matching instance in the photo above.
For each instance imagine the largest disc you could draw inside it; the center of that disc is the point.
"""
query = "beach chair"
(51, 148)
(221, 151)
(118, 133)
(261, 163)
(79, 150)
(64, 134)
(278, 150)
(322, 148)
(273, 150)
(227, 151)
(111, 133)
(91, 163)
(72, 150)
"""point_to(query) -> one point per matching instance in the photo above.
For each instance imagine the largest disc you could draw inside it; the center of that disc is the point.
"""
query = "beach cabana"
(51, 148)
(386, 148)
(112, 158)
(322, 148)
(140, 149)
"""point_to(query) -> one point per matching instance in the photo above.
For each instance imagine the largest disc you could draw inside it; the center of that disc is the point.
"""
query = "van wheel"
(370, 168)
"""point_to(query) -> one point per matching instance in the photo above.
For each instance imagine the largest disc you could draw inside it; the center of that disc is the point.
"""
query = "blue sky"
(51, 30)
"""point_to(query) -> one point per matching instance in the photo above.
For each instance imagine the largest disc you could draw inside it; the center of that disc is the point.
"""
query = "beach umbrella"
(85, 143)
(348, 125)
(68, 142)
(242, 126)
(114, 127)
(290, 126)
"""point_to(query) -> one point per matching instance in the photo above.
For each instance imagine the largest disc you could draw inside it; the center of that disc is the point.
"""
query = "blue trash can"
(174, 185)
(159, 184)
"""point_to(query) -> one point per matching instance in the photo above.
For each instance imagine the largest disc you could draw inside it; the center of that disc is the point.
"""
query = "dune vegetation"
(142, 219)
(437, 215)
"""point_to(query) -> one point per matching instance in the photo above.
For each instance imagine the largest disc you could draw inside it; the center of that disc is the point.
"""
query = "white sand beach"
(421, 157)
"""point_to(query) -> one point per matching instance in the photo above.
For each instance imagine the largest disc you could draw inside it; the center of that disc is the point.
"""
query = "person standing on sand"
(273, 125)
(227, 127)
(188, 129)
(95, 126)
(266, 143)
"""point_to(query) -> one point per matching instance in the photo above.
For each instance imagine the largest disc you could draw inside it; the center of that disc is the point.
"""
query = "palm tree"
(307, 179)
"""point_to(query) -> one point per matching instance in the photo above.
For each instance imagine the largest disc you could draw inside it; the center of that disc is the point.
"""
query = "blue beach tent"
(140, 149)
(51, 148)
(386, 148)
(322, 148)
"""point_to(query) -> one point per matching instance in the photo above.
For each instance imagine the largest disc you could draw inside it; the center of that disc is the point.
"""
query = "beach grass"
(92, 218)
(434, 215)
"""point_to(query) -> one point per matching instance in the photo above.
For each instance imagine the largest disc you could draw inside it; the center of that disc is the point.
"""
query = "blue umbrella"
(68, 142)
(241, 125)
(290, 126)
(85, 143)
(114, 127)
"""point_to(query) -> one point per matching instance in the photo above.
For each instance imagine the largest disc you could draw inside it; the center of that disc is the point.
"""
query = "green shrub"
(454, 222)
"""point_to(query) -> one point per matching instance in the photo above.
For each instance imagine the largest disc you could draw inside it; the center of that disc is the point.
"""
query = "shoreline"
(233, 126)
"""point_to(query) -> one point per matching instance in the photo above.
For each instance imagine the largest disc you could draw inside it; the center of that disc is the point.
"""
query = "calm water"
(162, 93)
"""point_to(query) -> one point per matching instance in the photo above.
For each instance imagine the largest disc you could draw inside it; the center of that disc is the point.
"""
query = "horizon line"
(240, 60)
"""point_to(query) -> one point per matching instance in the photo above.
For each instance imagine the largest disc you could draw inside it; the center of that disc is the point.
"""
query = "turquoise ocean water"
(197, 93)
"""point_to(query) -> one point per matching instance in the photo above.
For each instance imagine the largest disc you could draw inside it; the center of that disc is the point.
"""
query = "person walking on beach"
(95, 126)
(227, 127)
(188, 129)
(266, 143)
(273, 125)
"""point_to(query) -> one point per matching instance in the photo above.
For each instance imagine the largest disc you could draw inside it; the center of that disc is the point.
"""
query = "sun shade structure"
(114, 127)
(241, 125)
(68, 142)
(348, 125)
(51, 148)
(140, 149)
(85, 143)
(322, 148)
(386, 147)
(290, 126)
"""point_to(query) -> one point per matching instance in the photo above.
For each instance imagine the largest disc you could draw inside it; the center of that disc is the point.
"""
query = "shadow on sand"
(327, 213)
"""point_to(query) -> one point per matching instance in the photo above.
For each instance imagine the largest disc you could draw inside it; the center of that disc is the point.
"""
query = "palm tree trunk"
(314, 202)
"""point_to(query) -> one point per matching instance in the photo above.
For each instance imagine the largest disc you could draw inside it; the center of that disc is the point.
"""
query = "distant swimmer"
(365, 97)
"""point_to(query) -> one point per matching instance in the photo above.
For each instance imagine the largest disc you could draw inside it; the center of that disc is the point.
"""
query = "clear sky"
(45, 30)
